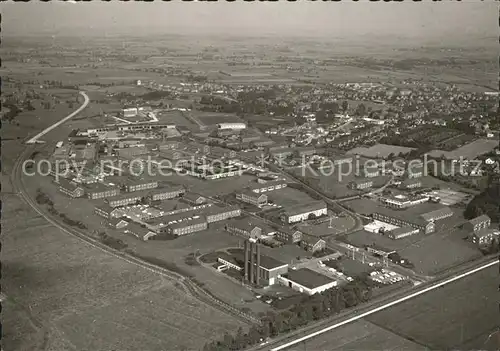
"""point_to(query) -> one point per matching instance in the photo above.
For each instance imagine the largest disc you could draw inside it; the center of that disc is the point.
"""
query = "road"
(57, 124)
(379, 304)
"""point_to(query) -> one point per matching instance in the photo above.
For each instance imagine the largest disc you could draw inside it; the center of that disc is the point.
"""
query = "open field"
(213, 118)
(469, 151)
(172, 251)
(288, 197)
(174, 117)
(361, 335)
(457, 316)
(81, 294)
(379, 150)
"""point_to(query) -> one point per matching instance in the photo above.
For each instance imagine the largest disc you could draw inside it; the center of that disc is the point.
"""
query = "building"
(139, 231)
(402, 219)
(252, 198)
(288, 236)
(379, 250)
(101, 191)
(360, 184)
(106, 211)
(302, 212)
(194, 199)
(411, 184)
(261, 270)
(478, 223)
(238, 126)
(124, 199)
(272, 185)
(117, 223)
(216, 214)
(484, 236)
(402, 232)
(160, 194)
(70, 188)
(187, 227)
(403, 201)
(312, 244)
(139, 185)
(438, 214)
(369, 172)
(245, 229)
(307, 281)
(415, 171)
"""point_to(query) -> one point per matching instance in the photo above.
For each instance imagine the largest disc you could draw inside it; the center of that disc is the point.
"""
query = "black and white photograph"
(250, 175)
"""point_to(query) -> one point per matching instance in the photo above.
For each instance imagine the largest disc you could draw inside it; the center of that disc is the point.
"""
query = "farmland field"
(89, 300)
(361, 335)
(460, 315)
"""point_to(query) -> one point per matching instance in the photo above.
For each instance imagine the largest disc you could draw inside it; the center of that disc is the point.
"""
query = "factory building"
(261, 270)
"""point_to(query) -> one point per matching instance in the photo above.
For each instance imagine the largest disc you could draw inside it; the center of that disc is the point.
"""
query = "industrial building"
(307, 281)
(261, 270)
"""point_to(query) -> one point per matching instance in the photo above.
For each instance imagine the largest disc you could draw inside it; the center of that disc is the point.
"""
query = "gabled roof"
(445, 211)
(480, 219)
(303, 208)
(311, 240)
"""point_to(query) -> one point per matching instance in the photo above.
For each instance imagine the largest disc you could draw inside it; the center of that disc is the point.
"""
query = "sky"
(445, 20)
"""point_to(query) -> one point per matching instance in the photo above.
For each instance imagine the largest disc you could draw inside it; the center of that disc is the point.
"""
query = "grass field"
(361, 335)
(460, 315)
(89, 300)
(212, 118)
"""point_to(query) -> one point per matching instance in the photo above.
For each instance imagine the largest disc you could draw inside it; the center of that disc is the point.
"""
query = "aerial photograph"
(250, 176)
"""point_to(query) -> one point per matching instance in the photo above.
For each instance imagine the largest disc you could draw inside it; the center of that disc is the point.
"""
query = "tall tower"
(252, 263)
(246, 271)
(257, 267)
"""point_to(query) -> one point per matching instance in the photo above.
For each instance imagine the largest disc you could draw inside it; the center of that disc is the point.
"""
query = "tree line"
(310, 308)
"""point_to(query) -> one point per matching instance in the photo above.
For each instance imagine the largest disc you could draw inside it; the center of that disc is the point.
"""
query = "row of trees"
(310, 308)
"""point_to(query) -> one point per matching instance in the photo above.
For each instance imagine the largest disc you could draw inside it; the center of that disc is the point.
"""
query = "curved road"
(57, 124)
(191, 287)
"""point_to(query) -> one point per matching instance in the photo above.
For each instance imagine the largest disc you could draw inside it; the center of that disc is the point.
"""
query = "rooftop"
(307, 278)
(480, 219)
(302, 208)
(188, 222)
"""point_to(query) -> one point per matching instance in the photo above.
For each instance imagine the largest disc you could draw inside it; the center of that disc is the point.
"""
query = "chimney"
(257, 268)
(252, 258)
(246, 268)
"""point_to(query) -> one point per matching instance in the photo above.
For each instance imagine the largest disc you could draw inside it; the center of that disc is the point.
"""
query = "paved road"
(57, 124)
(378, 304)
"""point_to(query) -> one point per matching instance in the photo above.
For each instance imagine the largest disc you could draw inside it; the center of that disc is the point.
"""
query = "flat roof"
(308, 278)
(410, 214)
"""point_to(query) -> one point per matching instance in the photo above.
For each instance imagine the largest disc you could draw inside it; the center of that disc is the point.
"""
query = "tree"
(345, 106)
(360, 110)
(311, 216)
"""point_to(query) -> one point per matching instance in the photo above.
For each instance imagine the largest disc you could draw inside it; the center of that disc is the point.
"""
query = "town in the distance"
(263, 188)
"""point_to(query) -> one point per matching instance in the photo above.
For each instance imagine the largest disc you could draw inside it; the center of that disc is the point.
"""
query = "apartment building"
(188, 226)
(478, 223)
(70, 188)
(160, 194)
